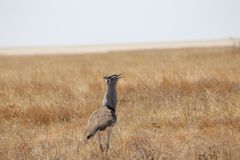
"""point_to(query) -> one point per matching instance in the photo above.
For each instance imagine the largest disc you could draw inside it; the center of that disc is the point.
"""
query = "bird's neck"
(110, 97)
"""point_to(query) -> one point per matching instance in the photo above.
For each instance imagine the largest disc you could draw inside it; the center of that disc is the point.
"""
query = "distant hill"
(81, 49)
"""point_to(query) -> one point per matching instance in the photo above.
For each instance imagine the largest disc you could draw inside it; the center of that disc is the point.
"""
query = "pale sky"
(76, 22)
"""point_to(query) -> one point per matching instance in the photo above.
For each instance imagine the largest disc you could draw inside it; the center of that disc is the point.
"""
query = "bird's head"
(112, 79)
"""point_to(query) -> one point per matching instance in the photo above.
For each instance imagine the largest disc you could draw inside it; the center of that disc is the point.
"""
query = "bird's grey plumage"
(105, 116)
(100, 120)
(110, 97)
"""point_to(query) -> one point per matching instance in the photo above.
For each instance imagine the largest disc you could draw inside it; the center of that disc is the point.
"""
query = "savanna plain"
(172, 104)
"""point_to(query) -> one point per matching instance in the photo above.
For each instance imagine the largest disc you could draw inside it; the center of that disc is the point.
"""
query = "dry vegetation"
(173, 104)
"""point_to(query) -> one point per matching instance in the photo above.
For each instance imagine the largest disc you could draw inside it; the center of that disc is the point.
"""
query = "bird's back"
(100, 120)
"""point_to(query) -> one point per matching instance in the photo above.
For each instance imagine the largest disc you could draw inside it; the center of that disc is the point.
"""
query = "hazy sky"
(71, 22)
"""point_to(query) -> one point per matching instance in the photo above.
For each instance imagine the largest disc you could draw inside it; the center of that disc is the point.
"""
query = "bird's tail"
(89, 133)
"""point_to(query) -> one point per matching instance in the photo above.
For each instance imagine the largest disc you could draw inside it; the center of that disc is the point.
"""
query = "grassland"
(173, 104)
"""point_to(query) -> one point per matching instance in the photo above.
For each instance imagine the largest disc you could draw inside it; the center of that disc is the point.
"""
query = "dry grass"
(173, 104)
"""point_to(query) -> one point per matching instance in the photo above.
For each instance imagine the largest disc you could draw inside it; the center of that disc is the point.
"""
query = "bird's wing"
(99, 120)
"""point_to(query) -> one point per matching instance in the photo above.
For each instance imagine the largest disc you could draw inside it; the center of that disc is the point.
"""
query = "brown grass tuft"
(46, 115)
(10, 112)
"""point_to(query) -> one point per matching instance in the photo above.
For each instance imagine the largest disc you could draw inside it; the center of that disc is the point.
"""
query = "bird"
(105, 118)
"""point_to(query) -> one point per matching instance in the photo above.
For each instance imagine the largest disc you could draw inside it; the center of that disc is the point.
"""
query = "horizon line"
(103, 48)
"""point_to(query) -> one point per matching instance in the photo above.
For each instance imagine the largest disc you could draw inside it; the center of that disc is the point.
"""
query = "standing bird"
(105, 117)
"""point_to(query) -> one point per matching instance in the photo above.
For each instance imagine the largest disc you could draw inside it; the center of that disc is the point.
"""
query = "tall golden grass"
(173, 104)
